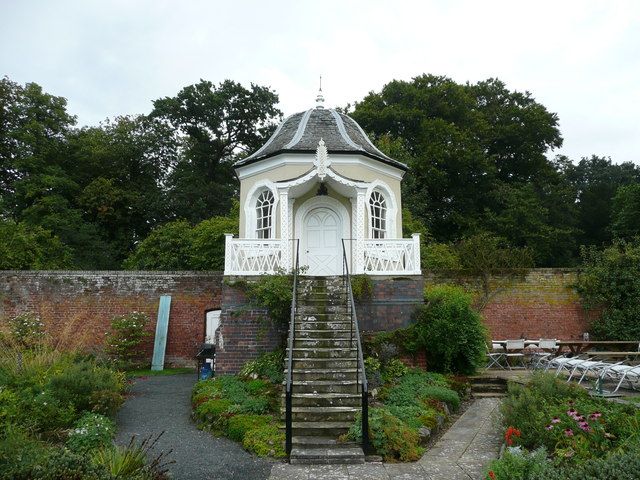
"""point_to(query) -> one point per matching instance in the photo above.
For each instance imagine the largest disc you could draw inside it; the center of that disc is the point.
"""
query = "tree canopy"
(156, 191)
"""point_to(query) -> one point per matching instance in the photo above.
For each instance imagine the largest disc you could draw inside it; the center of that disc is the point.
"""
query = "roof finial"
(320, 97)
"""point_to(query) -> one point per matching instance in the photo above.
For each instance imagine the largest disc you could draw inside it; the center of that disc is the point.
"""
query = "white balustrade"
(248, 256)
(244, 256)
(392, 256)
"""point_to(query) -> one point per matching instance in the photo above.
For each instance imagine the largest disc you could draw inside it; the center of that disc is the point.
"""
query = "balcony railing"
(245, 256)
(392, 256)
(249, 256)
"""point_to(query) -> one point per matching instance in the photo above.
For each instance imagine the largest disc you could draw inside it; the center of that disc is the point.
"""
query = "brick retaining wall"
(538, 304)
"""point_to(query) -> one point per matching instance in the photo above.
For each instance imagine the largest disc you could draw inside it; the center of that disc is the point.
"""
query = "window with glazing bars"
(264, 209)
(378, 208)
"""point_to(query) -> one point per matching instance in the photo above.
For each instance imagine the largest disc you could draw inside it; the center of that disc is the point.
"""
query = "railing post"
(227, 253)
(365, 422)
(416, 254)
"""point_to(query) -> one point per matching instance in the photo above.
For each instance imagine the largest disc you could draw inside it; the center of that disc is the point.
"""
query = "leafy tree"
(475, 151)
(26, 247)
(483, 254)
(626, 212)
(609, 285)
(33, 127)
(207, 250)
(596, 180)
(168, 247)
(218, 124)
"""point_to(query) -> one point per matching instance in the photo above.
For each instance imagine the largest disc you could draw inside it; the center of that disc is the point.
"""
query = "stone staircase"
(325, 394)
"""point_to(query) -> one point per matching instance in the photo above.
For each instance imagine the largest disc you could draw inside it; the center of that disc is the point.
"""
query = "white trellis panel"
(252, 256)
(392, 256)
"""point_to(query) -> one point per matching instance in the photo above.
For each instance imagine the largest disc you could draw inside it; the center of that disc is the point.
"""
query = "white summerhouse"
(320, 181)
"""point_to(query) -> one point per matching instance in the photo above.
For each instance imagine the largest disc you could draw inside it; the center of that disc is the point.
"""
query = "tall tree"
(218, 124)
(626, 212)
(596, 180)
(474, 151)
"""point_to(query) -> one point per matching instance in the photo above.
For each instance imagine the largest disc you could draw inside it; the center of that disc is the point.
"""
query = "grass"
(154, 373)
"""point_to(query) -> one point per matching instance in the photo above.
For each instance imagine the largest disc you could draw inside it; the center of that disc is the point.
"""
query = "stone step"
(326, 386)
(488, 387)
(326, 309)
(334, 455)
(481, 380)
(329, 343)
(338, 333)
(319, 442)
(324, 363)
(323, 374)
(488, 395)
(323, 414)
(321, 316)
(323, 399)
(320, 429)
(323, 325)
(318, 352)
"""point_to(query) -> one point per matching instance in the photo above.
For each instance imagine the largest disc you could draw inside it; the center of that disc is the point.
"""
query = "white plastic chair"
(621, 373)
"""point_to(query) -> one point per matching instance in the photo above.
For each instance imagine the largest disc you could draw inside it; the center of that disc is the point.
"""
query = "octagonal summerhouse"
(319, 186)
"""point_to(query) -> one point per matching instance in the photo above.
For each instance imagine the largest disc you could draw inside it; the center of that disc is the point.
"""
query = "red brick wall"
(245, 331)
(80, 305)
(538, 304)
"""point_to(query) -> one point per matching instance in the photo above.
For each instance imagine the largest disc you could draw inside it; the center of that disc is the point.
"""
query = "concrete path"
(460, 454)
(163, 403)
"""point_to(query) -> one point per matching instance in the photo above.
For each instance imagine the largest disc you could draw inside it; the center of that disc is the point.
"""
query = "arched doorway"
(322, 223)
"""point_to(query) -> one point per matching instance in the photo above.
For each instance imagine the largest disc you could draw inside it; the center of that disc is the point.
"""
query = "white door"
(321, 244)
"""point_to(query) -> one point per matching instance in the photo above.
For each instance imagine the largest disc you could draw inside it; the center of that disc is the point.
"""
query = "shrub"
(450, 331)
(609, 284)
(90, 432)
(268, 365)
(618, 466)
(393, 370)
(392, 438)
(361, 287)
(418, 387)
(27, 329)
(63, 464)
(275, 293)
(77, 384)
(240, 424)
(440, 256)
(265, 440)
(126, 335)
(130, 461)
(518, 464)
(19, 454)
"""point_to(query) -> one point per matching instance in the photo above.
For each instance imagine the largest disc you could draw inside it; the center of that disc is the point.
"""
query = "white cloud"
(579, 58)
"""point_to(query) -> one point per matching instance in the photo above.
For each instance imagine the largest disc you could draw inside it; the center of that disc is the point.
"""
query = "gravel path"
(162, 403)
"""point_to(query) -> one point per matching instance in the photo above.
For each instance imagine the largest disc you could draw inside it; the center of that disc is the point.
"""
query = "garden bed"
(555, 430)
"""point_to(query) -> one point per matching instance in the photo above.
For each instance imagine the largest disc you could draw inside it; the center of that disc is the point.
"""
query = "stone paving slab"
(461, 453)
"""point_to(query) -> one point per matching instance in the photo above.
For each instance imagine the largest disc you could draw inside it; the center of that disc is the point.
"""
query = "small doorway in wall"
(211, 324)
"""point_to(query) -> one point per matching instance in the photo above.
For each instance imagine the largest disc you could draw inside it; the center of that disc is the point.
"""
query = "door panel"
(321, 238)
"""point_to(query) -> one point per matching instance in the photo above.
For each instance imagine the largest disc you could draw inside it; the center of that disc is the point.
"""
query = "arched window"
(378, 210)
(264, 211)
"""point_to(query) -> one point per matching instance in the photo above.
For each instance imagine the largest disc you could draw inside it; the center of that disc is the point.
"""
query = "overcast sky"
(580, 59)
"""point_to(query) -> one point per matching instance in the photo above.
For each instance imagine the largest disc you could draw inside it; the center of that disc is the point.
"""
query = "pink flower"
(572, 412)
(584, 426)
(549, 427)
(568, 432)
(555, 420)
(595, 415)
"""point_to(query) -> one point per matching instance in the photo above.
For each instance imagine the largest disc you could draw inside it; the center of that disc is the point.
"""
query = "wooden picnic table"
(577, 347)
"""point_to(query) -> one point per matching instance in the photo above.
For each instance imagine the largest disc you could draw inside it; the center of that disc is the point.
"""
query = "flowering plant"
(126, 335)
(27, 329)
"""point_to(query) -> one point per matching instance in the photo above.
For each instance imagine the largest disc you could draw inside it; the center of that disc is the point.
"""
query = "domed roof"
(301, 132)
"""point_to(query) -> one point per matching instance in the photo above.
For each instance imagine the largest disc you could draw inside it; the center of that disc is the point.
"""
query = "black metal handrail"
(360, 371)
(292, 332)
